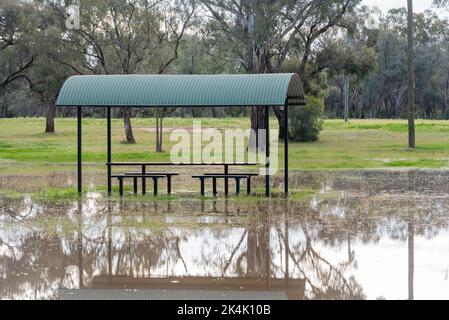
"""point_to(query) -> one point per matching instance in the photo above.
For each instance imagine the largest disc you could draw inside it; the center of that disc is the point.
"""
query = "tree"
(161, 113)
(440, 79)
(230, 36)
(16, 39)
(22, 40)
(262, 35)
(341, 59)
(381, 89)
(48, 77)
(124, 37)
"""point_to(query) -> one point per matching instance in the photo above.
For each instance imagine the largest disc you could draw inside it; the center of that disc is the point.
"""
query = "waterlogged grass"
(391, 125)
(358, 144)
(53, 194)
(420, 163)
(10, 194)
(300, 195)
(364, 144)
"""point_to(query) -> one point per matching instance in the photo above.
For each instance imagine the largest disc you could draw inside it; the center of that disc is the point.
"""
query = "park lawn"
(359, 144)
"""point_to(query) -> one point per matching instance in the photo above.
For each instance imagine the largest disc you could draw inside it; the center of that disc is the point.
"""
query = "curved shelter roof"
(181, 90)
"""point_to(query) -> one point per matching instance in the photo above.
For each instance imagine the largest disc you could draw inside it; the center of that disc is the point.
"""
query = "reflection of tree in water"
(327, 280)
(33, 264)
(30, 264)
(372, 218)
(368, 216)
(108, 244)
(324, 279)
(255, 260)
(31, 267)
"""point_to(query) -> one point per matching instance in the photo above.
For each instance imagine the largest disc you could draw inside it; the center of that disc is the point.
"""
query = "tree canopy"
(320, 40)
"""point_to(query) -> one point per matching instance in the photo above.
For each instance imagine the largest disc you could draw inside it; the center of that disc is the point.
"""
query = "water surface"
(360, 235)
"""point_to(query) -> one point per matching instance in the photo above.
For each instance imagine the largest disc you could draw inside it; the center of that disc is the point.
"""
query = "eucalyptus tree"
(261, 35)
(123, 37)
(440, 79)
(16, 42)
(340, 59)
(377, 60)
(47, 78)
(21, 40)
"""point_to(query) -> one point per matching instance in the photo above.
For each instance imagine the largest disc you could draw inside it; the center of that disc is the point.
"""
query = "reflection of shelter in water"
(198, 288)
(257, 283)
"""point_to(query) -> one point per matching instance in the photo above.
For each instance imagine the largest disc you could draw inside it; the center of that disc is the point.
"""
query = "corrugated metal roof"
(181, 90)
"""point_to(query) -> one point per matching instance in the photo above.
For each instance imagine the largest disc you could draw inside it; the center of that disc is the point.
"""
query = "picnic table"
(145, 165)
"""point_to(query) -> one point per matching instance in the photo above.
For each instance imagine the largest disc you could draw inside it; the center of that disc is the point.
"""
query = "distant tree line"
(376, 60)
(321, 40)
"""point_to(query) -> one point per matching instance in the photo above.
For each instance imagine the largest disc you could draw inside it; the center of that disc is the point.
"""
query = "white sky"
(419, 5)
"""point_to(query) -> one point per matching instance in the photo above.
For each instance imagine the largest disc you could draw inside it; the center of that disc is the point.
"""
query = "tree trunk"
(159, 130)
(50, 119)
(346, 96)
(342, 96)
(128, 127)
(257, 115)
(251, 252)
(411, 80)
(5, 110)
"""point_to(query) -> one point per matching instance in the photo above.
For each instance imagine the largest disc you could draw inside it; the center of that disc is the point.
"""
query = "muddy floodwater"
(352, 235)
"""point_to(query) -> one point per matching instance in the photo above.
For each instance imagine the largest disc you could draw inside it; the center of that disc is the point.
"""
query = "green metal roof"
(181, 90)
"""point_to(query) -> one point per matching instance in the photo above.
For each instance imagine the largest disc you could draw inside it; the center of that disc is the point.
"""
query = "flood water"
(361, 235)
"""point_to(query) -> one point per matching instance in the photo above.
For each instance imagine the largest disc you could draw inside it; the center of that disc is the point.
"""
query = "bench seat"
(214, 177)
(135, 176)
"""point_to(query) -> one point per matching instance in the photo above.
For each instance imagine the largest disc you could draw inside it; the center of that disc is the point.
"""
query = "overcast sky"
(419, 5)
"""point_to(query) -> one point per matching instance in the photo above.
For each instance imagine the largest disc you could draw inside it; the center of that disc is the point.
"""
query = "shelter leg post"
(120, 186)
(237, 186)
(214, 186)
(135, 185)
(155, 186)
(202, 186)
(108, 120)
(257, 131)
(267, 151)
(144, 181)
(80, 173)
(226, 182)
(169, 184)
(248, 185)
(286, 149)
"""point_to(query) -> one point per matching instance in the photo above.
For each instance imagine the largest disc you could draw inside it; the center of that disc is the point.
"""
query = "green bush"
(305, 122)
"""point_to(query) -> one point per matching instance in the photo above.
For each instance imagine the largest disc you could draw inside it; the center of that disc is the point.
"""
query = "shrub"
(305, 122)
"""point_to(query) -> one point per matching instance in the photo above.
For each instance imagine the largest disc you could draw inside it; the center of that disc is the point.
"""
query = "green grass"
(355, 145)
